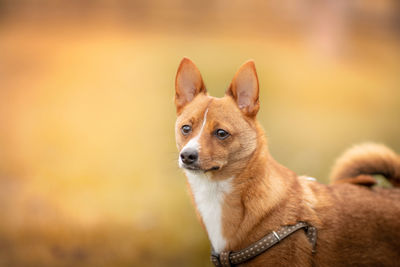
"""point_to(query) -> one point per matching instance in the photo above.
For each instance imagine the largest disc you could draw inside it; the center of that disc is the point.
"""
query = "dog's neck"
(230, 208)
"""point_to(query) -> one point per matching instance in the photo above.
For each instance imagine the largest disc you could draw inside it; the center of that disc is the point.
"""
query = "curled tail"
(359, 163)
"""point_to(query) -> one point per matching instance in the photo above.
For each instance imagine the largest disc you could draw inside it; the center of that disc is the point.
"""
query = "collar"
(229, 258)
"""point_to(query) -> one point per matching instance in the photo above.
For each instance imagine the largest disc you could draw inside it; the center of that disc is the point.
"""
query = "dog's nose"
(189, 156)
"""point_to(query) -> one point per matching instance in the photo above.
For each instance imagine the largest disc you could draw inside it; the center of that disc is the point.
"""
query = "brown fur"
(356, 225)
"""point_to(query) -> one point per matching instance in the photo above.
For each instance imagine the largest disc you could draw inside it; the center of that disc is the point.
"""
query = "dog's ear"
(244, 89)
(188, 83)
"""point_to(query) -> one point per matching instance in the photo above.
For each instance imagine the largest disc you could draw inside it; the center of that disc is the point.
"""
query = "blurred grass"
(88, 173)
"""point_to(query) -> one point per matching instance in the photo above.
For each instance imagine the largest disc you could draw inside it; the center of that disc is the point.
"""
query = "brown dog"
(242, 194)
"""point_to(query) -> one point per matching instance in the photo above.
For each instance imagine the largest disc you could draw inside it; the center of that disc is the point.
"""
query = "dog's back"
(364, 222)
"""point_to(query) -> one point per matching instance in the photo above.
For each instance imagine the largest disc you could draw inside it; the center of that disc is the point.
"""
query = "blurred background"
(88, 163)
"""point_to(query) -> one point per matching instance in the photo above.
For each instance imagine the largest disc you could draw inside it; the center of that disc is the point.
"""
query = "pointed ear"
(244, 89)
(188, 83)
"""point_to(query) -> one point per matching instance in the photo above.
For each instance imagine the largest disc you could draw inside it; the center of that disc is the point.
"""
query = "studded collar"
(229, 258)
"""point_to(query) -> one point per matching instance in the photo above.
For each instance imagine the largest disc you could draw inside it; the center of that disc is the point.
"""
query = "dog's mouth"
(215, 168)
(197, 168)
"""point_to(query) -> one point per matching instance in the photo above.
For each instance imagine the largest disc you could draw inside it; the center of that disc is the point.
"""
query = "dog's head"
(215, 134)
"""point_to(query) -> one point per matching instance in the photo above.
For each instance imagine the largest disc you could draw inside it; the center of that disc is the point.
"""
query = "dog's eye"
(221, 134)
(186, 129)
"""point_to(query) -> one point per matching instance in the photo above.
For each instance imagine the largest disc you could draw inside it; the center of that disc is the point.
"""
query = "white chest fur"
(209, 198)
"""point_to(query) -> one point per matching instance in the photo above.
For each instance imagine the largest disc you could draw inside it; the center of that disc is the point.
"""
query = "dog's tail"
(359, 163)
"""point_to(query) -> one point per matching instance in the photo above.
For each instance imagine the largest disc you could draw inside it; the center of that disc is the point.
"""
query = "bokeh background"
(88, 163)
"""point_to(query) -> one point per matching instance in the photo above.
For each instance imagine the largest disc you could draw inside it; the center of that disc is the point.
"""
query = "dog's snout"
(189, 156)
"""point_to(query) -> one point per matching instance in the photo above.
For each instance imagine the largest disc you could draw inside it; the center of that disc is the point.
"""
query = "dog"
(245, 199)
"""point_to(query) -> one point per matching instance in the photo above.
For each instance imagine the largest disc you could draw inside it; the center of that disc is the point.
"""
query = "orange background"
(88, 163)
